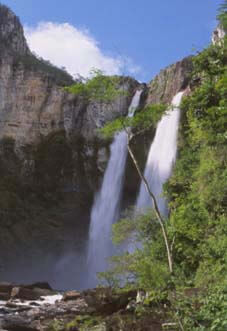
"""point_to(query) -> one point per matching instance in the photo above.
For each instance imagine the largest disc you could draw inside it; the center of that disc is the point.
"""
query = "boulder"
(41, 292)
(5, 291)
(107, 301)
(5, 287)
(39, 285)
(24, 294)
(71, 295)
(4, 296)
(18, 323)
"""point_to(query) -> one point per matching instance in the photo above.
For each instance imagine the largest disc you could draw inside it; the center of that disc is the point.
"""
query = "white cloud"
(75, 49)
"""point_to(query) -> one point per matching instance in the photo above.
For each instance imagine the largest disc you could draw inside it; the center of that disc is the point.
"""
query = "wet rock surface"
(97, 309)
(25, 292)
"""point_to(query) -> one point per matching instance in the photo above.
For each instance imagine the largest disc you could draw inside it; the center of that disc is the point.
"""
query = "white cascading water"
(105, 210)
(161, 158)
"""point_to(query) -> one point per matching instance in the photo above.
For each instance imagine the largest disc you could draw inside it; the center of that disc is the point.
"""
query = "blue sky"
(140, 37)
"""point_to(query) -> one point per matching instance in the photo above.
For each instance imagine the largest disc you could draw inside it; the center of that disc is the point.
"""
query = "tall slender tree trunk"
(156, 209)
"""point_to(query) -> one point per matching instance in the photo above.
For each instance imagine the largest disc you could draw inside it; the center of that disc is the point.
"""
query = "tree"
(197, 192)
(222, 14)
(105, 89)
(100, 88)
(134, 126)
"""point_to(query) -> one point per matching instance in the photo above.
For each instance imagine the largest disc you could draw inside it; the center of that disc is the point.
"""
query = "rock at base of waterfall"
(98, 309)
(71, 295)
(24, 294)
(35, 291)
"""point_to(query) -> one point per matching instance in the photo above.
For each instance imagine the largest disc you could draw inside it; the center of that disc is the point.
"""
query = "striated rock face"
(32, 105)
(11, 32)
(32, 100)
(169, 81)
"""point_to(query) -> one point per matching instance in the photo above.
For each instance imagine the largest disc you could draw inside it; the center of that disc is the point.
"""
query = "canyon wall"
(51, 158)
(33, 102)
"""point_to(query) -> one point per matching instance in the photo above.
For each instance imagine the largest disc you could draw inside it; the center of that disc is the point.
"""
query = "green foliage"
(222, 15)
(197, 193)
(120, 273)
(82, 323)
(134, 227)
(198, 189)
(55, 326)
(213, 311)
(200, 311)
(100, 88)
(146, 267)
(210, 62)
(141, 121)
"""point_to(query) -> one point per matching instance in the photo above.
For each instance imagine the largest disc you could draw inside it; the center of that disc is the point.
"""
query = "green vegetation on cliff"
(222, 15)
(196, 291)
(98, 87)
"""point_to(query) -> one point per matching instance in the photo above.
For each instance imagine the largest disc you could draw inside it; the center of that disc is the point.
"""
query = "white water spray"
(161, 157)
(105, 210)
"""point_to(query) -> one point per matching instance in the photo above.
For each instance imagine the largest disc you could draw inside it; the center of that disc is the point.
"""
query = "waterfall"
(135, 103)
(105, 210)
(161, 157)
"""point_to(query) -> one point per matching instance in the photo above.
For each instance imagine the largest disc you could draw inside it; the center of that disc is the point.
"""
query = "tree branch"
(156, 208)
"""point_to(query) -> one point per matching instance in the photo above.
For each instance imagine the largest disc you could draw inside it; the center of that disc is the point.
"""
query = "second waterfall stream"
(161, 158)
(105, 210)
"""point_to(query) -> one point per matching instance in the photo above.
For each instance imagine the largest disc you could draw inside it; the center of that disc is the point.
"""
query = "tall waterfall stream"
(161, 157)
(105, 210)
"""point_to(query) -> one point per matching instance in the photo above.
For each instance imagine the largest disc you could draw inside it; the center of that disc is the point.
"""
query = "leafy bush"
(100, 88)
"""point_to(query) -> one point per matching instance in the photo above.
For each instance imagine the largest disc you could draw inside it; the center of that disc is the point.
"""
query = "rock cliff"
(11, 33)
(218, 35)
(32, 100)
(169, 81)
(51, 159)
